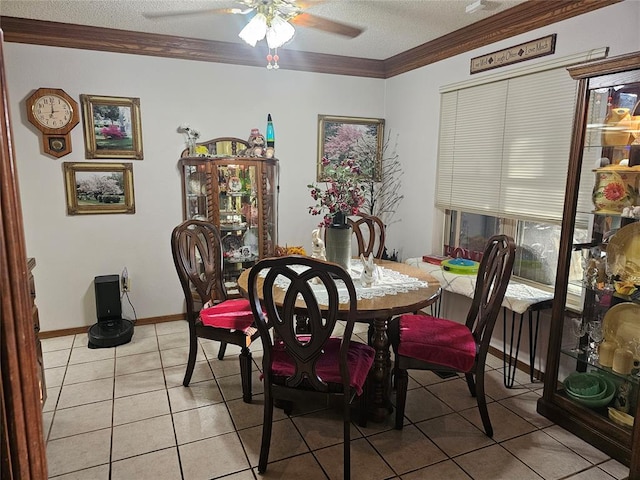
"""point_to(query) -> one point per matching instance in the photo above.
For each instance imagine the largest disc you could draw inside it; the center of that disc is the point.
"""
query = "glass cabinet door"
(592, 375)
(270, 195)
(238, 214)
(602, 324)
(239, 195)
(196, 179)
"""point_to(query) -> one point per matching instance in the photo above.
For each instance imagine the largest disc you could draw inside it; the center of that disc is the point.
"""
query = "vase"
(614, 190)
(338, 241)
(191, 145)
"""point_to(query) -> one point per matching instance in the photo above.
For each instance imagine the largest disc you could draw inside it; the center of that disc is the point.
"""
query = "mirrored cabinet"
(238, 194)
(592, 374)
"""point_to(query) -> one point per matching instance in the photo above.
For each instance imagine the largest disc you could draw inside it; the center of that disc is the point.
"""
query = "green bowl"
(584, 385)
(599, 402)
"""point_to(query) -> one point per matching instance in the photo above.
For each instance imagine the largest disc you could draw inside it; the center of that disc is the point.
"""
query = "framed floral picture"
(361, 139)
(99, 188)
(112, 127)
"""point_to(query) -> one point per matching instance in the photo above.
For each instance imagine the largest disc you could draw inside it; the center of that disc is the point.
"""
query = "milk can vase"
(338, 241)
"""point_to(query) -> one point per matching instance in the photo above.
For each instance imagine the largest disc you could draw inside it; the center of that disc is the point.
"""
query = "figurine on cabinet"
(256, 146)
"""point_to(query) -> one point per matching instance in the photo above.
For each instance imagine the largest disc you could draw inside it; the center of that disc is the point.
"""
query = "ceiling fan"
(273, 20)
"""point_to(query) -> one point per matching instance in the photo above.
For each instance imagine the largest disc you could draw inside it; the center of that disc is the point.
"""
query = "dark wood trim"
(605, 66)
(142, 321)
(520, 365)
(517, 20)
(22, 439)
(38, 32)
(522, 18)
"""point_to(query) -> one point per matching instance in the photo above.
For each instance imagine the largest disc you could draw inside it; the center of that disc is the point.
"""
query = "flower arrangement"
(343, 194)
(191, 134)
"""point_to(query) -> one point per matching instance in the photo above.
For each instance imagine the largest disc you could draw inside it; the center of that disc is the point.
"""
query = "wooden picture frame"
(93, 188)
(358, 138)
(112, 127)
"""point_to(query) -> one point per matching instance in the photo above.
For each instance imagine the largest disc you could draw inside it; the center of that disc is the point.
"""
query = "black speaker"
(111, 329)
(108, 304)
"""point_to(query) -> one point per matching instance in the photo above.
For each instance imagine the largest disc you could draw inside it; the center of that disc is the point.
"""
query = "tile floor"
(122, 414)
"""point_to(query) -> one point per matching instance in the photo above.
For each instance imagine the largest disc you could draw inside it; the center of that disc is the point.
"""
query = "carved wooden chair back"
(431, 343)
(197, 255)
(370, 234)
(296, 366)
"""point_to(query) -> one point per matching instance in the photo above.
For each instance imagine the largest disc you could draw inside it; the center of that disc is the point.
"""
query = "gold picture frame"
(358, 138)
(112, 127)
(94, 188)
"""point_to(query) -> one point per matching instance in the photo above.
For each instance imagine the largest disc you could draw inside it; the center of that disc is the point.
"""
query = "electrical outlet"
(125, 281)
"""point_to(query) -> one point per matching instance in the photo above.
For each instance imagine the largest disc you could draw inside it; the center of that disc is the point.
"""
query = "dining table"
(400, 288)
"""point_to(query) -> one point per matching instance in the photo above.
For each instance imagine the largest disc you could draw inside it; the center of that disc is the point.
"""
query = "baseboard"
(81, 330)
(520, 365)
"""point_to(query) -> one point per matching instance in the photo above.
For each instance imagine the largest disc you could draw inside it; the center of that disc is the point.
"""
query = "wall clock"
(54, 113)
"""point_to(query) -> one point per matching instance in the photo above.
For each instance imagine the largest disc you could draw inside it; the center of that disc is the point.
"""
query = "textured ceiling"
(390, 26)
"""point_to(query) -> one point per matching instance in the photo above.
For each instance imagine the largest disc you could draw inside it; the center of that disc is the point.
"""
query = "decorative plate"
(622, 321)
(623, 253)
(234, 184)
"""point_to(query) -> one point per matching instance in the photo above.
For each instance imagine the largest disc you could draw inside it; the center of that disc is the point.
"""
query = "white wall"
(219, 100)
(226, 100)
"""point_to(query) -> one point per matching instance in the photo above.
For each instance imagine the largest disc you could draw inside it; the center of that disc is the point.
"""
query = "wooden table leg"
(380, 372)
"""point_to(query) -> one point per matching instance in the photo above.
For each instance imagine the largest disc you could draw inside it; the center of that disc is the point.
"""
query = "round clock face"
(52, 111)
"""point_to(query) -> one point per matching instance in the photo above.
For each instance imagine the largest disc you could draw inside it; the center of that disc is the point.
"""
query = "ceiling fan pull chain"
(272, 59)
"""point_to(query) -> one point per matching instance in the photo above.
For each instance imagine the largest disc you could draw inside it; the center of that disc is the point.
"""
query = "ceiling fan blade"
(331, 26)
(185, 13)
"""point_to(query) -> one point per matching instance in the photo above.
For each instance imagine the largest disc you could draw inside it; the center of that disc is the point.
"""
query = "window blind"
(504, 144)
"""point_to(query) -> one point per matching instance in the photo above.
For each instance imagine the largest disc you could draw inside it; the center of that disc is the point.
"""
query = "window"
(502, 163)
(537, 243)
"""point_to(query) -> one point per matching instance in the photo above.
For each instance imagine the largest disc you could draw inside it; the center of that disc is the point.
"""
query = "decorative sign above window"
(525, 51)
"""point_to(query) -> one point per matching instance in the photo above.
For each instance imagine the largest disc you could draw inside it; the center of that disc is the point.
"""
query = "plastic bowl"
(584, 384)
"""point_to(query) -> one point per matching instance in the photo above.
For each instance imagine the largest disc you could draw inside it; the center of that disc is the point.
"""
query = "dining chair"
(370, 234)
(425, 342)
(197, 255)
(315, 364)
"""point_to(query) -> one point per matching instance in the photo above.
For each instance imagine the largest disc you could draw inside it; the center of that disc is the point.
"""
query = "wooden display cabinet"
(237, 193)
(31, 263)
(598, 251)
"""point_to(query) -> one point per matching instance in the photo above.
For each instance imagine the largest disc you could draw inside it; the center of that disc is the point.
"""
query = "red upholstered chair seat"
(359, 361)
(233, 314)
(429, 343)
(196, 248)
(438, 341)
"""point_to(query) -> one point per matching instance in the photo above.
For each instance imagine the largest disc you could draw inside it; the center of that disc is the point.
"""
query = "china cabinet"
(236, 192)
(31, 263)
(592, 378)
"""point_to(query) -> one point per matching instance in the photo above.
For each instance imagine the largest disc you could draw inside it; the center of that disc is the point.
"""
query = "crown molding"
(520, 19)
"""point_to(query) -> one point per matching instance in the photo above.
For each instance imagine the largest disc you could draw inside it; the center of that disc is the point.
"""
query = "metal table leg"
(510, 362)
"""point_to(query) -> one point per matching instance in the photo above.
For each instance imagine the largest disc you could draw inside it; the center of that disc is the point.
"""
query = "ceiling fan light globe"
(255, 30)
(280, 32)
